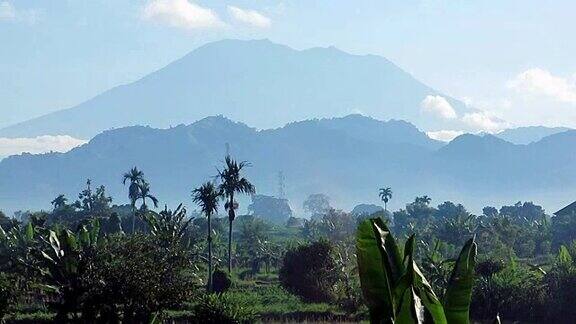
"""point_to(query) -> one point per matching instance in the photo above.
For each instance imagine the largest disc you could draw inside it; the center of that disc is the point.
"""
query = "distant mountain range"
(256, 82)
(530, 134)
(347, 158)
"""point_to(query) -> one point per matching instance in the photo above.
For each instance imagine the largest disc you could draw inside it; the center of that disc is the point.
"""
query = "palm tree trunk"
(385, 207)
(209, 254)
(133, 217)
(231, 216)
(230, 246)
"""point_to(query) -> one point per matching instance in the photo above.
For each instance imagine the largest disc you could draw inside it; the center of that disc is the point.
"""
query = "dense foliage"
(308, 271)
(90, 260)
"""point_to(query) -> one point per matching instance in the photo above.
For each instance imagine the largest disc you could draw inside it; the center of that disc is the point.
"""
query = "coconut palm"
(232, 182)
(206, 196)
(136, 178)
(145, 193)
(385, 195)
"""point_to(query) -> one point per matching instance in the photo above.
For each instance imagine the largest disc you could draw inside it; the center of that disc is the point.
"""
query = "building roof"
(567, 210)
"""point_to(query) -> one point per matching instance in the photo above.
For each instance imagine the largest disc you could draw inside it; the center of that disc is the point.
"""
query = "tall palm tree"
(206, 196)
(136, 178)
(385, 195)
(232, 182)
(145, 193)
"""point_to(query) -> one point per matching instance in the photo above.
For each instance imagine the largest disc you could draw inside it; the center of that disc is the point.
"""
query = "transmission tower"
(281, 191)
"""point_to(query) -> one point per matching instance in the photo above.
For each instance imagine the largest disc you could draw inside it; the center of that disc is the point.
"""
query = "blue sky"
(512, 59)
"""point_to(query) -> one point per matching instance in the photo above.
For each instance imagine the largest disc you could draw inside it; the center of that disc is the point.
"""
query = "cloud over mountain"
(249, 17)
(541, 82)
(180, 13)
(40, 144)
(440, 106)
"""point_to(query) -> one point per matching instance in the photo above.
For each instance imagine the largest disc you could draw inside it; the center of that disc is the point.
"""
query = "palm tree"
(136, 178)
(232, 182)
(425, 200)
(59, 202)
(145, 193)
(385, 195)
(206, 196)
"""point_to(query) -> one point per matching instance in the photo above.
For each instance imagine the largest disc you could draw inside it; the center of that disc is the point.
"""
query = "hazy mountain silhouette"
(527, 135)
(257, 82)
(347, 158)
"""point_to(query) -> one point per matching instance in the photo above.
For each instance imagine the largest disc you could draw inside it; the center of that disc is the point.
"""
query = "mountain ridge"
(257, 82)
(322, 155)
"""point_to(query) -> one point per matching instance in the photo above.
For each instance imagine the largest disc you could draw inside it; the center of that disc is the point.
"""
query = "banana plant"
(16, 246)
(66, 260)
(395, 289)
(168, 225)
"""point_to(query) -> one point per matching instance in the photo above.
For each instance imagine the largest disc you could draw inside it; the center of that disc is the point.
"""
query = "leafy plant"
(222, 309)
(138, 277)
(67, 258)
(220, 281)
(169, 225)
(309, 271)
(396, 290)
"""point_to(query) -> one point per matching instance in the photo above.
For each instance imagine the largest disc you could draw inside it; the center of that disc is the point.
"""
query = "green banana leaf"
(375, 283)
(497, 320)
(389, 249)
(459, 292)
(419, 285)
(94, 232)
(410, 310)
(29, 232)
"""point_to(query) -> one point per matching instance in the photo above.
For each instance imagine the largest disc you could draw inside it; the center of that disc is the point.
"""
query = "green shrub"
(222, 309)
(515, 291)
(308, 271)
(220, 281)
(6, 294)
(137, 277)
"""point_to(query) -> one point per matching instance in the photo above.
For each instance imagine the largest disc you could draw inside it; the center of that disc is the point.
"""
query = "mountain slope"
(316, 156)
(347, 158)
(256, 82)
(530, 134)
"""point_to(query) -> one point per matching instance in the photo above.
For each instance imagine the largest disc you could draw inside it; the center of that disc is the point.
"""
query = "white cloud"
(439, 106)
(249, 17)
(40, 144)
(444, 135)
(483, 122)
(181, 14)
(541, 82)
(7, 11)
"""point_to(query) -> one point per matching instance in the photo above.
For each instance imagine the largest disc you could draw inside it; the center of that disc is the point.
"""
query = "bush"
(516, 292)
(135, 276)
(308, 271)
(222, 309)
(220, 281)
(6, 294)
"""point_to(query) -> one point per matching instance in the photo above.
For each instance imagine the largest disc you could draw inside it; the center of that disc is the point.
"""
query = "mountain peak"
(529, 134)
(220, 122)
(257, 82)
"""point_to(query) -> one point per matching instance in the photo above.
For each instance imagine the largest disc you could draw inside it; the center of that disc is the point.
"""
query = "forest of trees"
(90, 260)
